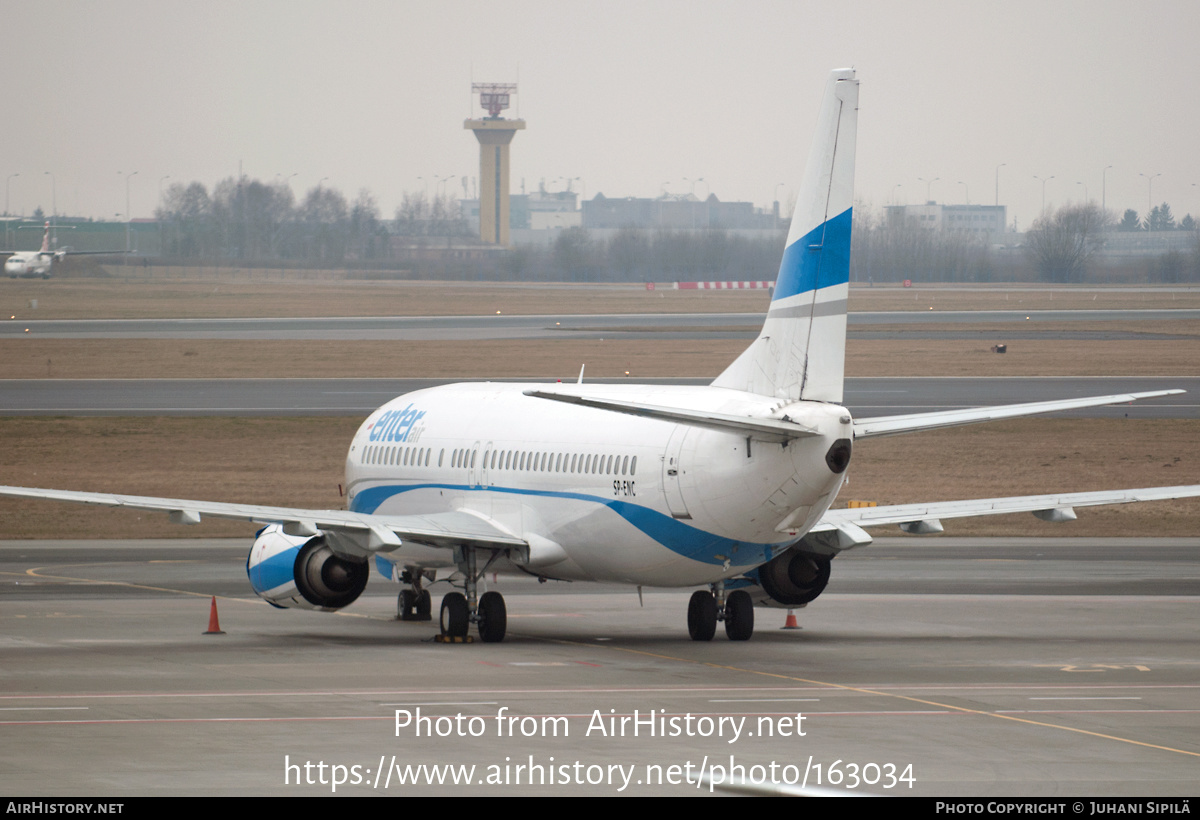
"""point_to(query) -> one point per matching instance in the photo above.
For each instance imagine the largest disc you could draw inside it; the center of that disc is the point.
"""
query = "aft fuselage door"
(673, 472)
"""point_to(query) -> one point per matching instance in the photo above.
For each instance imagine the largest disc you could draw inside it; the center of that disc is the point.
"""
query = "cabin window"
(633, 466)
(441, 455)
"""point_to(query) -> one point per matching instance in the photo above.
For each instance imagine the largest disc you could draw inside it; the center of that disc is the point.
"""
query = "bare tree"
(1062, 243)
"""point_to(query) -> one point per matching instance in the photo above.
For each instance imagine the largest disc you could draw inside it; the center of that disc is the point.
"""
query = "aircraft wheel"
(424, 607)
(454, 615)
(702, 615)
(739, 616)
(493, 617)
(406, 606)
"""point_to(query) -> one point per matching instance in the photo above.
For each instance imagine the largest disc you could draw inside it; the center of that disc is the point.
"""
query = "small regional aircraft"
(40, 263)
(726, 487)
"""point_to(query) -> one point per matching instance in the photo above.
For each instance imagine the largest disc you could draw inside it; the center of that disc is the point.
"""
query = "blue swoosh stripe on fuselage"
(805, 268)
(683, 539)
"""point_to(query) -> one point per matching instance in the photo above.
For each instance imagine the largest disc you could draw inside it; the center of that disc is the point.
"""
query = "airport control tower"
(494, 134)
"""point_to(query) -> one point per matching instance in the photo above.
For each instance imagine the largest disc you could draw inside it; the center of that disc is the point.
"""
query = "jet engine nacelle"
(301, 571)
(794, 578)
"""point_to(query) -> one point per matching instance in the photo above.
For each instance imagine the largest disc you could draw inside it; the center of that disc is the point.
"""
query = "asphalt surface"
(966, 668)
(359, 397)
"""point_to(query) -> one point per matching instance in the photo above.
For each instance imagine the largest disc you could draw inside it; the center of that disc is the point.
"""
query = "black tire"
(424, 607)
(406, 605)
(493, 617)
(702, 615)
(454, 615)
(739, 616)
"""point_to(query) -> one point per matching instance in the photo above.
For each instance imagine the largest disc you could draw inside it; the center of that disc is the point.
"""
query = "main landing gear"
(414, 604)
(459, 611)
(706, 608)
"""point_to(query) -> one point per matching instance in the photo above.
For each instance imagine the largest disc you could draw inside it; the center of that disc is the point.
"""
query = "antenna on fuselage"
(581, 367)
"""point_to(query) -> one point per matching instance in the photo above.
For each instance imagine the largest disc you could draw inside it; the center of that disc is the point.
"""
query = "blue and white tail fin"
(800, 352)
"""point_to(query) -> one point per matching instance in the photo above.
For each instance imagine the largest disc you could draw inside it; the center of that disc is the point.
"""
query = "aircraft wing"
(373, 533)
(911, 423)
(926, 518)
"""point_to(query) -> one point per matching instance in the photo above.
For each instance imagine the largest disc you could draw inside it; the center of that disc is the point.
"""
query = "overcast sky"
(624, 95)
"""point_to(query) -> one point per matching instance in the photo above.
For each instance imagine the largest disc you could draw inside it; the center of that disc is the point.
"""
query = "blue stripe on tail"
(810, 264)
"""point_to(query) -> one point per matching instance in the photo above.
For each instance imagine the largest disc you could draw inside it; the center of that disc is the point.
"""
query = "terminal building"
(981, 220)
(677, 214)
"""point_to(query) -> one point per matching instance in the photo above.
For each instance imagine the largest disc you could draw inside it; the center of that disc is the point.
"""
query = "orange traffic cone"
(790, 623)
(214, 626)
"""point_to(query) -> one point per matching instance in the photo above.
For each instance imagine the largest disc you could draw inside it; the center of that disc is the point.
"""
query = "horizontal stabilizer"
(912, 423)
(911, 513)
(759, 429)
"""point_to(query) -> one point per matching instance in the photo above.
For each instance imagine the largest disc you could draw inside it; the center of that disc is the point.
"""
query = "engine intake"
(296, 571)
(794, 578)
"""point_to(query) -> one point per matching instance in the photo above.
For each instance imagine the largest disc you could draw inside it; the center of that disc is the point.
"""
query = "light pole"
(1043, 181)
(6, 184)
(1104, 189)
(7, 222)
(998, 167)
(928, 188)
(1086, 199)
(161, 239)
(128, 218)
(53, 195)
(966, 192)
(582, 187)
(1149, 195)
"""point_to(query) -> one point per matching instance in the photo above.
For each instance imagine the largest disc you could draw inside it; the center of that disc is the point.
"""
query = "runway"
(992, 667)
(576, 326)
(359, 397)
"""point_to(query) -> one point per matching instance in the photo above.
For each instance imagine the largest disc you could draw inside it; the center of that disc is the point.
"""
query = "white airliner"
(40, 263)
(726, 487)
